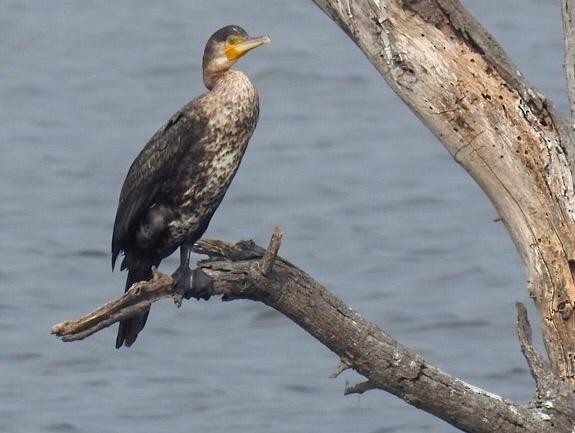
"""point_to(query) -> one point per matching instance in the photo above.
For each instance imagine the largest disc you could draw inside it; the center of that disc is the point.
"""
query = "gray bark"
(246, 271)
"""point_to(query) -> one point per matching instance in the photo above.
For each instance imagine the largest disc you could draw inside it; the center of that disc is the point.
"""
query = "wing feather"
(155, 164)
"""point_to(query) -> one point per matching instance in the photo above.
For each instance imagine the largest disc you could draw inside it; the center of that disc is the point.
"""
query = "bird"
(180, 177)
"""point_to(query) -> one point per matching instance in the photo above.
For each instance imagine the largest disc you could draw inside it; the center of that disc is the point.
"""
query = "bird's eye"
(233, 40)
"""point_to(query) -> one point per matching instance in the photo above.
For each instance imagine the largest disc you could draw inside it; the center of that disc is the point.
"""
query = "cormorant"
(176, 183)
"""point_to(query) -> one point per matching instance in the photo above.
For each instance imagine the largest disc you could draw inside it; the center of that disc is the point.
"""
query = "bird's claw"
(182, 283)
(202, 286)
(191, 284)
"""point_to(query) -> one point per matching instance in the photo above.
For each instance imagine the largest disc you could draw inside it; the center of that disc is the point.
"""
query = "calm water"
(370, 203)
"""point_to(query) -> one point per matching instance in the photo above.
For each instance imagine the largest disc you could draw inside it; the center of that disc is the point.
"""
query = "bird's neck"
(213, 75)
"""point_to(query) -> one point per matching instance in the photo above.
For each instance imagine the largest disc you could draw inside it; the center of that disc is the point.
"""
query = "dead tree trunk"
(507, 135)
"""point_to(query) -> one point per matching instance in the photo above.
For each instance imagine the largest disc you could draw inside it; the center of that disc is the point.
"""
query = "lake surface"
(371, 205)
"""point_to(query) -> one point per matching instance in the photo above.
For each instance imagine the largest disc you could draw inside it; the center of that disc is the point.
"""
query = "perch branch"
(236, 272)
(135, 301)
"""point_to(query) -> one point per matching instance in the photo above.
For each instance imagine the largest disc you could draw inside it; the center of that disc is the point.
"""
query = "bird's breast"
(231, 112)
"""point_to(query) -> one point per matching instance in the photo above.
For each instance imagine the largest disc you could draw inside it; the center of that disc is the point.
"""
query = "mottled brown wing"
(154, 165)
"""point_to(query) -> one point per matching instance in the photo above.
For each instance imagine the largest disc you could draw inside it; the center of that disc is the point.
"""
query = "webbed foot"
(183, 279)
(182, 283)
(202, 286)
(192, 284)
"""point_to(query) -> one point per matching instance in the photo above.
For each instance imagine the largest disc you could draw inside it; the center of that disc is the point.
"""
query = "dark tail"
(129, 329)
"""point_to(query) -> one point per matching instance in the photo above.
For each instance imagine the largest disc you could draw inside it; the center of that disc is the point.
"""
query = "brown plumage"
(178, 180)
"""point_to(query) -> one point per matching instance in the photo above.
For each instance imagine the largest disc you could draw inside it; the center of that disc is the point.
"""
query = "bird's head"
(224, 48)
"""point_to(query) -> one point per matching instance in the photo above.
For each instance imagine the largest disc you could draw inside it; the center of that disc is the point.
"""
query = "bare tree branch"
(359, 388)
(236, 272)
(134, 302)
(568, 15)
(341, 367)
(272, 251)
(540, 370)
(551, 392)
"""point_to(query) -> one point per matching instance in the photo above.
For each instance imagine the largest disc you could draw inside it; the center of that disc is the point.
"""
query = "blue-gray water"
(371, 205)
